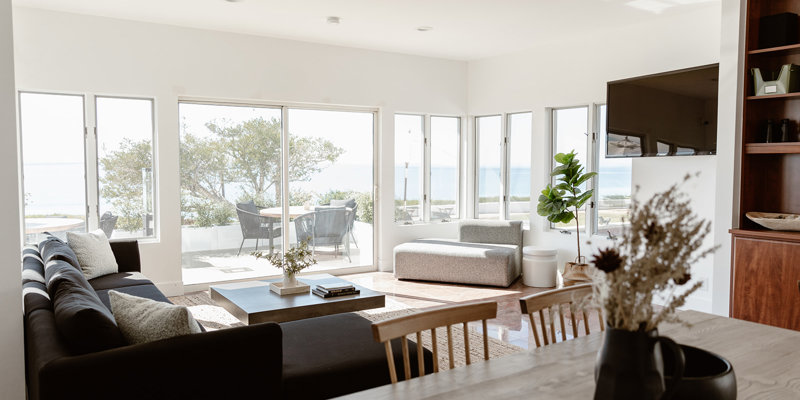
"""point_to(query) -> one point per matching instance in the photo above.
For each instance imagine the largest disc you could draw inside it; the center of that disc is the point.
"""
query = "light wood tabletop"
(766, 361)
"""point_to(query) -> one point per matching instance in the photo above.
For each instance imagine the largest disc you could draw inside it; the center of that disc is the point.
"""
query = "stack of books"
(327, 290)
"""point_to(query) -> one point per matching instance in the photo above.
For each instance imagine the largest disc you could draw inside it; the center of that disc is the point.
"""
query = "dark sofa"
(309, 359)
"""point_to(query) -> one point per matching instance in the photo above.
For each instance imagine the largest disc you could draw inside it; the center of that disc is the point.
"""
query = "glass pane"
(613, 185)
(445, 134)
(54, 170)
(519, 180)
(408, 154)
(230, 165)
(570, 126)
(490, 148)
(125, 166)
(330, 182)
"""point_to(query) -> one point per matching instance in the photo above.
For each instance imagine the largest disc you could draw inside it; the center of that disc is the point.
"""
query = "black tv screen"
(668, 114)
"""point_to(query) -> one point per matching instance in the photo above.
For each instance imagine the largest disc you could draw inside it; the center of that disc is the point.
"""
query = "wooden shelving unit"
(765, 272)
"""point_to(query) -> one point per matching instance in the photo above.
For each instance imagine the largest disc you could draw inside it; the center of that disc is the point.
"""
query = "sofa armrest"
(242, 362)
(127, 254)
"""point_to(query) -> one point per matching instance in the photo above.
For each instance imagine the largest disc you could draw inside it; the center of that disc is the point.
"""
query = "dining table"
(765, 359)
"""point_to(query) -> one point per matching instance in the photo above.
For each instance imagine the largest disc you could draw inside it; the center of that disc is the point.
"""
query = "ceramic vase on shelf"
(630, 365)
(289, 279)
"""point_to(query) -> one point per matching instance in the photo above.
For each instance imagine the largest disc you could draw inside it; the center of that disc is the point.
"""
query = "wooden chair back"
(399, 327)
(554, 300)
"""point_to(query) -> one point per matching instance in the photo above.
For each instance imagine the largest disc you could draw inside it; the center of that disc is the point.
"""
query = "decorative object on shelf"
(707, 376)
(556, 203)
(777, 30)
(785, 81)
(652, 261)
(291, 262)
(770, 136)
(776, 221)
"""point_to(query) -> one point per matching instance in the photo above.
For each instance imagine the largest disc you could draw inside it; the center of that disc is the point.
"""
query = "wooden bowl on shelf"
(776, 221)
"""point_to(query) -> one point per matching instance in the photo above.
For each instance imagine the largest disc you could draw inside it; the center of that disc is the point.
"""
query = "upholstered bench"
(487, 253)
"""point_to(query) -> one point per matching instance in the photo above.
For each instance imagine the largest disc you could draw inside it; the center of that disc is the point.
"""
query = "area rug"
(213, 317)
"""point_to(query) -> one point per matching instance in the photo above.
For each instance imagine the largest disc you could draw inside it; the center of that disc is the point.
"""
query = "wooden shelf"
(781, 50)
(772, 148)
(766, 234)
(774, 96)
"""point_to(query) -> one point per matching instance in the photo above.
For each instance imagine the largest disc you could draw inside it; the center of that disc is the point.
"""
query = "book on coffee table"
(327, 295)
(336, 286)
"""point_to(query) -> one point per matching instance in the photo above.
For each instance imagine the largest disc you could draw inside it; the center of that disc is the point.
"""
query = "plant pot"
(289, 280)
(707, 376)
(576, 272)
(630, 365)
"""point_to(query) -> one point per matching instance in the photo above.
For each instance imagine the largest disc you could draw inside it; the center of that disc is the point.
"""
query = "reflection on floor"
(510, 325)
(224, 265)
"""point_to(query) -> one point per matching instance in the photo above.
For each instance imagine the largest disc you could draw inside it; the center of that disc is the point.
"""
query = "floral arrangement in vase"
(291, 261)
(651, 262)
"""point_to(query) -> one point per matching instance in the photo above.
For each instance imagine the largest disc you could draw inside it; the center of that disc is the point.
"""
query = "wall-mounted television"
(667, 114)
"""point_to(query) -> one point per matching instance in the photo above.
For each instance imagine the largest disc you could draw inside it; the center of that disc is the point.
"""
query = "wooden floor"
(510, 326)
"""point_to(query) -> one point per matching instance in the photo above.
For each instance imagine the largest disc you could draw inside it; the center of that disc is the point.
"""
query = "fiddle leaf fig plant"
(560, 203)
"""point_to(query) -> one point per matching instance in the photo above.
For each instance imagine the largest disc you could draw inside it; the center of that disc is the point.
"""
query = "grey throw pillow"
(144, 320)
(93, 252)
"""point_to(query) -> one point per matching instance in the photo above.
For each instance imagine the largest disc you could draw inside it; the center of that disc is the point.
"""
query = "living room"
(562, 63)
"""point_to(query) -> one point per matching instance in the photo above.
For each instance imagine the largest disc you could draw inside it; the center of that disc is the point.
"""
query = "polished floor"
(510, 325)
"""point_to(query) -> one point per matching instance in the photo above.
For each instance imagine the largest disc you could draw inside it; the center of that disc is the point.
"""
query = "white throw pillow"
(144, 320)
(94, 253)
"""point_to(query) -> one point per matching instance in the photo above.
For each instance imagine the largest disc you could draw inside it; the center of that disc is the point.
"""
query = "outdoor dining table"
(766, 361)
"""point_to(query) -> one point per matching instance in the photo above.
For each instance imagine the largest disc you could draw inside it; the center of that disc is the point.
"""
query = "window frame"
(504, 213)
(91, 190)
(426, 168)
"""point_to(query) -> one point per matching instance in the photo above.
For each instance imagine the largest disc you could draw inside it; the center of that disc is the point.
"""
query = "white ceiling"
(462, 29)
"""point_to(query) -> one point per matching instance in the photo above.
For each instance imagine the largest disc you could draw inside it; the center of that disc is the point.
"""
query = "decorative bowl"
(775, 221)
(707, 376)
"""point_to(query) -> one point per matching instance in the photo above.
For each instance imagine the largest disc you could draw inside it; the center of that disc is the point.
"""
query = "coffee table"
(252, 302)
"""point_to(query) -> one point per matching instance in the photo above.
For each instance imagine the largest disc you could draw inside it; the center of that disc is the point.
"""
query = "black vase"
(630, 365)
(707, 376)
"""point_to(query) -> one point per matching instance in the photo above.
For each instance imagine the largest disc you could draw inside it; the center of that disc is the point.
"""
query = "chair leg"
(352, 235)
(240, 248)
(256, 244)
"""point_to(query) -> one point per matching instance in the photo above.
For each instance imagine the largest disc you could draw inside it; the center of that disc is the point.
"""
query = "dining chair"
(553, 301)
(256, 226)
(399, 327)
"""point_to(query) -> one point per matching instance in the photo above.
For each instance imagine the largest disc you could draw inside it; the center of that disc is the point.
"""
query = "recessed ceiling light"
(234, 1)
(334, 20)
(424, 28)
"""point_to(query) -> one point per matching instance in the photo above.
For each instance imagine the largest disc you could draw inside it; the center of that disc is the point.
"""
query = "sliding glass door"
(234, 161)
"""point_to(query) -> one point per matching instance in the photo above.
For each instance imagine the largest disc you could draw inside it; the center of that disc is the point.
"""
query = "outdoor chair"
(398, 327)
(326, 226)
(256, 226)
(351, 204)
(108, 221)
(554, 301)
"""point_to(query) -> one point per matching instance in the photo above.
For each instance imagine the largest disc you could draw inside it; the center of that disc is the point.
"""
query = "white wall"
(571, 73)
(12, 371)
(74, 53)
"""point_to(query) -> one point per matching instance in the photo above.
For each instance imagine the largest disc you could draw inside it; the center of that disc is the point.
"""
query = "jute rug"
(213, 317)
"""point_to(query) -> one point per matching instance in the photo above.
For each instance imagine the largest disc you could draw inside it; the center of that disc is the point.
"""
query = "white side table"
(539, 266)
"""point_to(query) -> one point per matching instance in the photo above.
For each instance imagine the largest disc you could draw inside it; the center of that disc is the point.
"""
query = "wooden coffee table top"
(252, 302)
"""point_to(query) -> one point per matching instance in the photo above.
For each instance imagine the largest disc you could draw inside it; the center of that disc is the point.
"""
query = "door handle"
(798, 285)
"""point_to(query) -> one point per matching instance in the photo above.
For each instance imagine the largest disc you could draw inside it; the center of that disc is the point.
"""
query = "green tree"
(121, 183)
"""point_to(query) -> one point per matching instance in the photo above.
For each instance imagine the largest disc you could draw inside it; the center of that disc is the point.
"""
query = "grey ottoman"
(488, 253)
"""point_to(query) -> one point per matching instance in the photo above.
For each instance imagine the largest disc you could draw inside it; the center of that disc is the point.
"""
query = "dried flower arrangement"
(292, 261)
(653, 259)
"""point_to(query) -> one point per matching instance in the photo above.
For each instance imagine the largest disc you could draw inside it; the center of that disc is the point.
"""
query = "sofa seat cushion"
(336, 354)
(119, 280)
(147, 291)
(457, 262)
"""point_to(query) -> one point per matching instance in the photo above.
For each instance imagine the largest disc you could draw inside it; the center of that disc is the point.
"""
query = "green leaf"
(585, 177)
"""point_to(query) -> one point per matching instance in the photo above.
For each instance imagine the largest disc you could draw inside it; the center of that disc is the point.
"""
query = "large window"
(503, 159)
(571, 133)
(264, 178)
(613, 192)
(426, 165)
(73, 179)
